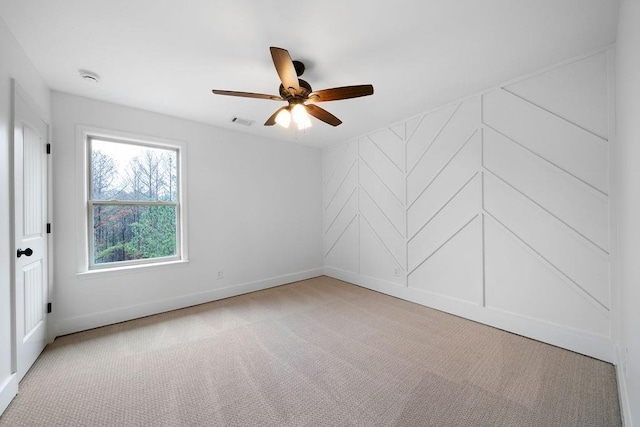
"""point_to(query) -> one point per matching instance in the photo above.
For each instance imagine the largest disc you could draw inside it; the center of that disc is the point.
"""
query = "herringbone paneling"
(546, 188)
(341, 206)
(495, 207)
(382, 205)
(444, 190)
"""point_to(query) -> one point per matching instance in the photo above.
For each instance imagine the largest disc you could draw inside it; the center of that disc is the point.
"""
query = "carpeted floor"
(312, 353)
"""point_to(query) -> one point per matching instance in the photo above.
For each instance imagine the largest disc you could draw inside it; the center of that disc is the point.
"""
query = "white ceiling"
(166, 55)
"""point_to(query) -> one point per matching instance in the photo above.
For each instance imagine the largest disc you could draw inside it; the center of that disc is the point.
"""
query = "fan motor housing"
(305, 90)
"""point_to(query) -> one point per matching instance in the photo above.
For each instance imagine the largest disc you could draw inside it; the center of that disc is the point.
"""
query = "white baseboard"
(599, 347)
(95, 320)
(8, 390)
(622, 388)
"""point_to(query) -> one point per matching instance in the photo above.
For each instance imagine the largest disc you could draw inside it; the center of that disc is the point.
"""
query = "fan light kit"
(299, 115)
(297, 91)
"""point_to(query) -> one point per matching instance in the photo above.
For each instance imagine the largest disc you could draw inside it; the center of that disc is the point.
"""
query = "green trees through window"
(133, 202)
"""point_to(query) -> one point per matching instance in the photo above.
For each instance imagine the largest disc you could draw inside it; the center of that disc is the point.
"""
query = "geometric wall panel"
(571, 201)
(372, 186)
(455, 269)
(381, 206)
(519, 282)
(424, 130)
(331, 157)
(384, 229)
(400, 130)
(559, 142)
(566, 251)
(341, 206)
(338, 169)
(344, 253)
(375, 258)
(382, 165)
(576, 92)
(337, 227)
(341, 197)
(391, 145)
(365, 217)
(455, 134)
(453, 217)
(447, 184)
(495, 208)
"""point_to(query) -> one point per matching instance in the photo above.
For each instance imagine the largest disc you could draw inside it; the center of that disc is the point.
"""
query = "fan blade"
(247, 94)
(286, 70)
(337, 93)
(322, 114)
(272, 120)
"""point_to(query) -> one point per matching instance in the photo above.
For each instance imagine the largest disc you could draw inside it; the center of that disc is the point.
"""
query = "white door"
(30, 218)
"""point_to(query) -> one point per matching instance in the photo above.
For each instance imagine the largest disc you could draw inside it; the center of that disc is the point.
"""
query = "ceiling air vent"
(241, 121)
(89, 76)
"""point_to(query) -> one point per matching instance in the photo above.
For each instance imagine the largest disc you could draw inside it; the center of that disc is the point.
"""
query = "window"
(133, 202)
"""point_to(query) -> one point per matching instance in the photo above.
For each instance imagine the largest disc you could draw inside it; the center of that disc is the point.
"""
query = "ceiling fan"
(297, 91)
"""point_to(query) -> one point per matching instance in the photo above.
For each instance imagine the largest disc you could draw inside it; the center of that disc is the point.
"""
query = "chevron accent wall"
(341, 217)
(494, 208)
(383, 250)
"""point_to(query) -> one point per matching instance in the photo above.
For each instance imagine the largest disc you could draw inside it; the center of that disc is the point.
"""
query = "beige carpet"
(315, 353)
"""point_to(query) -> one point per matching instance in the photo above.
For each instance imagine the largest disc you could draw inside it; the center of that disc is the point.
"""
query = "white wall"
(13, 64)
(494, 208)
(626, 209)
(254, 211)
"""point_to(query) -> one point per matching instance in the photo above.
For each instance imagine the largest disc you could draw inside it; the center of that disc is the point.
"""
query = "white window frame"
(86, 266)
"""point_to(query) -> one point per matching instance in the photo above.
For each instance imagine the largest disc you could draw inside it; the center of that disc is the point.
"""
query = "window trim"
(85, 236)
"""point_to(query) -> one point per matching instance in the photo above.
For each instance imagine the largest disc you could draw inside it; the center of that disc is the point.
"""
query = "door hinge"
(48, 148)
(48, 228)
(48, 307)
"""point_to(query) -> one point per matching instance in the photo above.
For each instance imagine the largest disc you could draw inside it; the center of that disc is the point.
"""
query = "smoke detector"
(89, 76)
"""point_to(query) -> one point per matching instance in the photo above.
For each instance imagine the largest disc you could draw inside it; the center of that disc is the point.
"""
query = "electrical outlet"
(220, 274)
(396, 272)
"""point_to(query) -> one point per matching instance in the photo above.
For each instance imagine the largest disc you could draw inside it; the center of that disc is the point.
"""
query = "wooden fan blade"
(247, 94)
(322, 114)
(272, 120)
(337, 93)
(286, 70)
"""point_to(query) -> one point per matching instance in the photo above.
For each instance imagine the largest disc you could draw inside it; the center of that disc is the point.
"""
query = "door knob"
(27, 252)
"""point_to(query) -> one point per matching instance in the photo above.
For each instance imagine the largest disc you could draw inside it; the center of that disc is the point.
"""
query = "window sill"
(139, 268)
